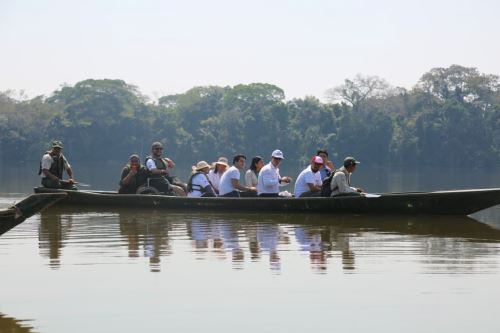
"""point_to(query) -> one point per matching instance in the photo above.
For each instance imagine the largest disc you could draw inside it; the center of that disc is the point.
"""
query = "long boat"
(456, 202)
(18, 213)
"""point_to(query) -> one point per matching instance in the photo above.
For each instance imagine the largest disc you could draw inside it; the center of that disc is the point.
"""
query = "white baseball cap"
(277, 154)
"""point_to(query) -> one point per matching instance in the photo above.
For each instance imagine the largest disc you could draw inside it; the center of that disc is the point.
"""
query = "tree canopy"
(450, 117)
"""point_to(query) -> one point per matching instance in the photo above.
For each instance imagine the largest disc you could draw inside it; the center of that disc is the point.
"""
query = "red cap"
(317, 160)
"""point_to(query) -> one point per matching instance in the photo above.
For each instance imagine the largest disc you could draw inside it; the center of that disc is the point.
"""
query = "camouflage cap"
(57, 144)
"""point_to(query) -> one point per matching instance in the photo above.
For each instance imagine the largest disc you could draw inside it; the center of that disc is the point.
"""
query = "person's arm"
(236, 184)
(127, 175)
(343, 186)
(268, 178)
(151, 166)
(210, 191)
(311, 183)
(46, 163)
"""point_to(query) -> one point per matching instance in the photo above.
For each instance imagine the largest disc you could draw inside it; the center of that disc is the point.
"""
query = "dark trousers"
(62, 184)
(269, 195)
(161, 184)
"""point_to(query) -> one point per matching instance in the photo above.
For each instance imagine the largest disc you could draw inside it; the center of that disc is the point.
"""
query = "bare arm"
(236, 184)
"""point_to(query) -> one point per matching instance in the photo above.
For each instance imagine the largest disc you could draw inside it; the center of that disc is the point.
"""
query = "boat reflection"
(244, 239)
(13, 325)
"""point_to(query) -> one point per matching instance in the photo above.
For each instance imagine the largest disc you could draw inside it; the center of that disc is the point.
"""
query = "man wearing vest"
(341, 181)
(158, 171)
(52, 166)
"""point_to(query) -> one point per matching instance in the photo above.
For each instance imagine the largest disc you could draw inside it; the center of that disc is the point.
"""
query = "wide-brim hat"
(201, 165)
(222, 161)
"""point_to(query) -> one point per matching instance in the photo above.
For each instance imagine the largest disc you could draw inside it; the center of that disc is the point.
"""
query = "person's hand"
(71, 181)
(286, 179)
(170, 163)
(252, 189)
(360, 190)
(330, 165)
(132, 172)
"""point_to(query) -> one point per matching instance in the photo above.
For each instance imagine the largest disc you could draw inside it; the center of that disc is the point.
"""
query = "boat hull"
(461, 202)
(26, 208)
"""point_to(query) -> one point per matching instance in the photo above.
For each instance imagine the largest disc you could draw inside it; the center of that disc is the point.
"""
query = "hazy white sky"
(304, 47)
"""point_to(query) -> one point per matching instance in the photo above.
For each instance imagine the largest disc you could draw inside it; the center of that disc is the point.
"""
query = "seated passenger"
(216, 173)
(309, 182)
(341, 181)
(230, 181)
(252, 174)
(198, 183)
(158, 172)
(269, 177)
(133, 176)
(52, 167)
(328, 167)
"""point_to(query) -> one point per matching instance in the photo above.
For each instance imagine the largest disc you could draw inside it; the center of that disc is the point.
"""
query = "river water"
(126, 270)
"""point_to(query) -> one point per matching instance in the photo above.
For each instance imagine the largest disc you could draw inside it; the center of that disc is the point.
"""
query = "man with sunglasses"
(270, 178)
(158, 171)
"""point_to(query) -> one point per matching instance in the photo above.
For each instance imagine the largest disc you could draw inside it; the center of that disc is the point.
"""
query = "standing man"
(52, 166)
(328, 167)
(158, 171)
(341, 181)
(269, 177)
(230, 186)
(309, 181)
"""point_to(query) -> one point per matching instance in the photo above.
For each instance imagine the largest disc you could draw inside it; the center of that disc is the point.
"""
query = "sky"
(304, 47)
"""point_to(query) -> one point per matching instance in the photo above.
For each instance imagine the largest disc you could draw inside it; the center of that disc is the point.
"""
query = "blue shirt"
(325, 172)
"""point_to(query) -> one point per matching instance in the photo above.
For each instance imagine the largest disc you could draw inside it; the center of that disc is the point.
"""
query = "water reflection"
(13, 325)
(434, 244)
(150, 232)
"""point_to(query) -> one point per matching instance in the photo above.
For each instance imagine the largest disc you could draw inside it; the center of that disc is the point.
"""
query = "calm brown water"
(123, 270)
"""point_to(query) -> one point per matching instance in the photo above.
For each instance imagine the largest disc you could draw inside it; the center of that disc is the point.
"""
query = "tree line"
(450, 117)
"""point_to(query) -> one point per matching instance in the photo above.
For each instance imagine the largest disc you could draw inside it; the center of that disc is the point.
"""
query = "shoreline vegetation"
(451, 117)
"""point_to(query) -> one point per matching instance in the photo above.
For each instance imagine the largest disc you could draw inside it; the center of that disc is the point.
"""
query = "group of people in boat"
(218, 179)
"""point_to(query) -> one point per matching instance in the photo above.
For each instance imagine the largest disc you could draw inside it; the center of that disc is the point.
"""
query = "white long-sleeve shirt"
(269, 179)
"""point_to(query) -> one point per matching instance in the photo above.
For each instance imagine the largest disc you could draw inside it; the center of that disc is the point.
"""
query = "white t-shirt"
(214, 178)
(200, 180)
(307, 176)
(225, 185)
(47, 163)
(269, 179)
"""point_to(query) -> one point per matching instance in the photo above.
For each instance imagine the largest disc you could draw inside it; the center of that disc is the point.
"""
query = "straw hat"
(223, 161)
(201, 165)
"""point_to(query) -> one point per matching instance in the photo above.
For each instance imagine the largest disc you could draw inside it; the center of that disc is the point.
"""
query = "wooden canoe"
(458, 202)
(12, 216)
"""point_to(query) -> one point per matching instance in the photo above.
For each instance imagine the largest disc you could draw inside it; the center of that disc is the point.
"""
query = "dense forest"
(450, 117)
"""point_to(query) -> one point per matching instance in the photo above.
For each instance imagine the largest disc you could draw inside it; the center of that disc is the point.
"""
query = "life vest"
(56, 167)
(160, 164)
(192, 187)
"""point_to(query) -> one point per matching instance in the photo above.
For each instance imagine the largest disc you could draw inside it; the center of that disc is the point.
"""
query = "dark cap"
(57, 144)
(348, 161)
(156, 144)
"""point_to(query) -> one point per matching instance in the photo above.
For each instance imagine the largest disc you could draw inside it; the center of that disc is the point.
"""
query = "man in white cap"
(309, 181)
(198, 184)
(341, 181)
(269, 177)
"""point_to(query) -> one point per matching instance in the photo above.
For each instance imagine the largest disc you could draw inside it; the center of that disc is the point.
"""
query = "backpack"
(326, 189)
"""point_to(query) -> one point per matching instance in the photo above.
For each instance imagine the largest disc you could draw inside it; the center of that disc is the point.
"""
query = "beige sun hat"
(223, 161)
(201, 165)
